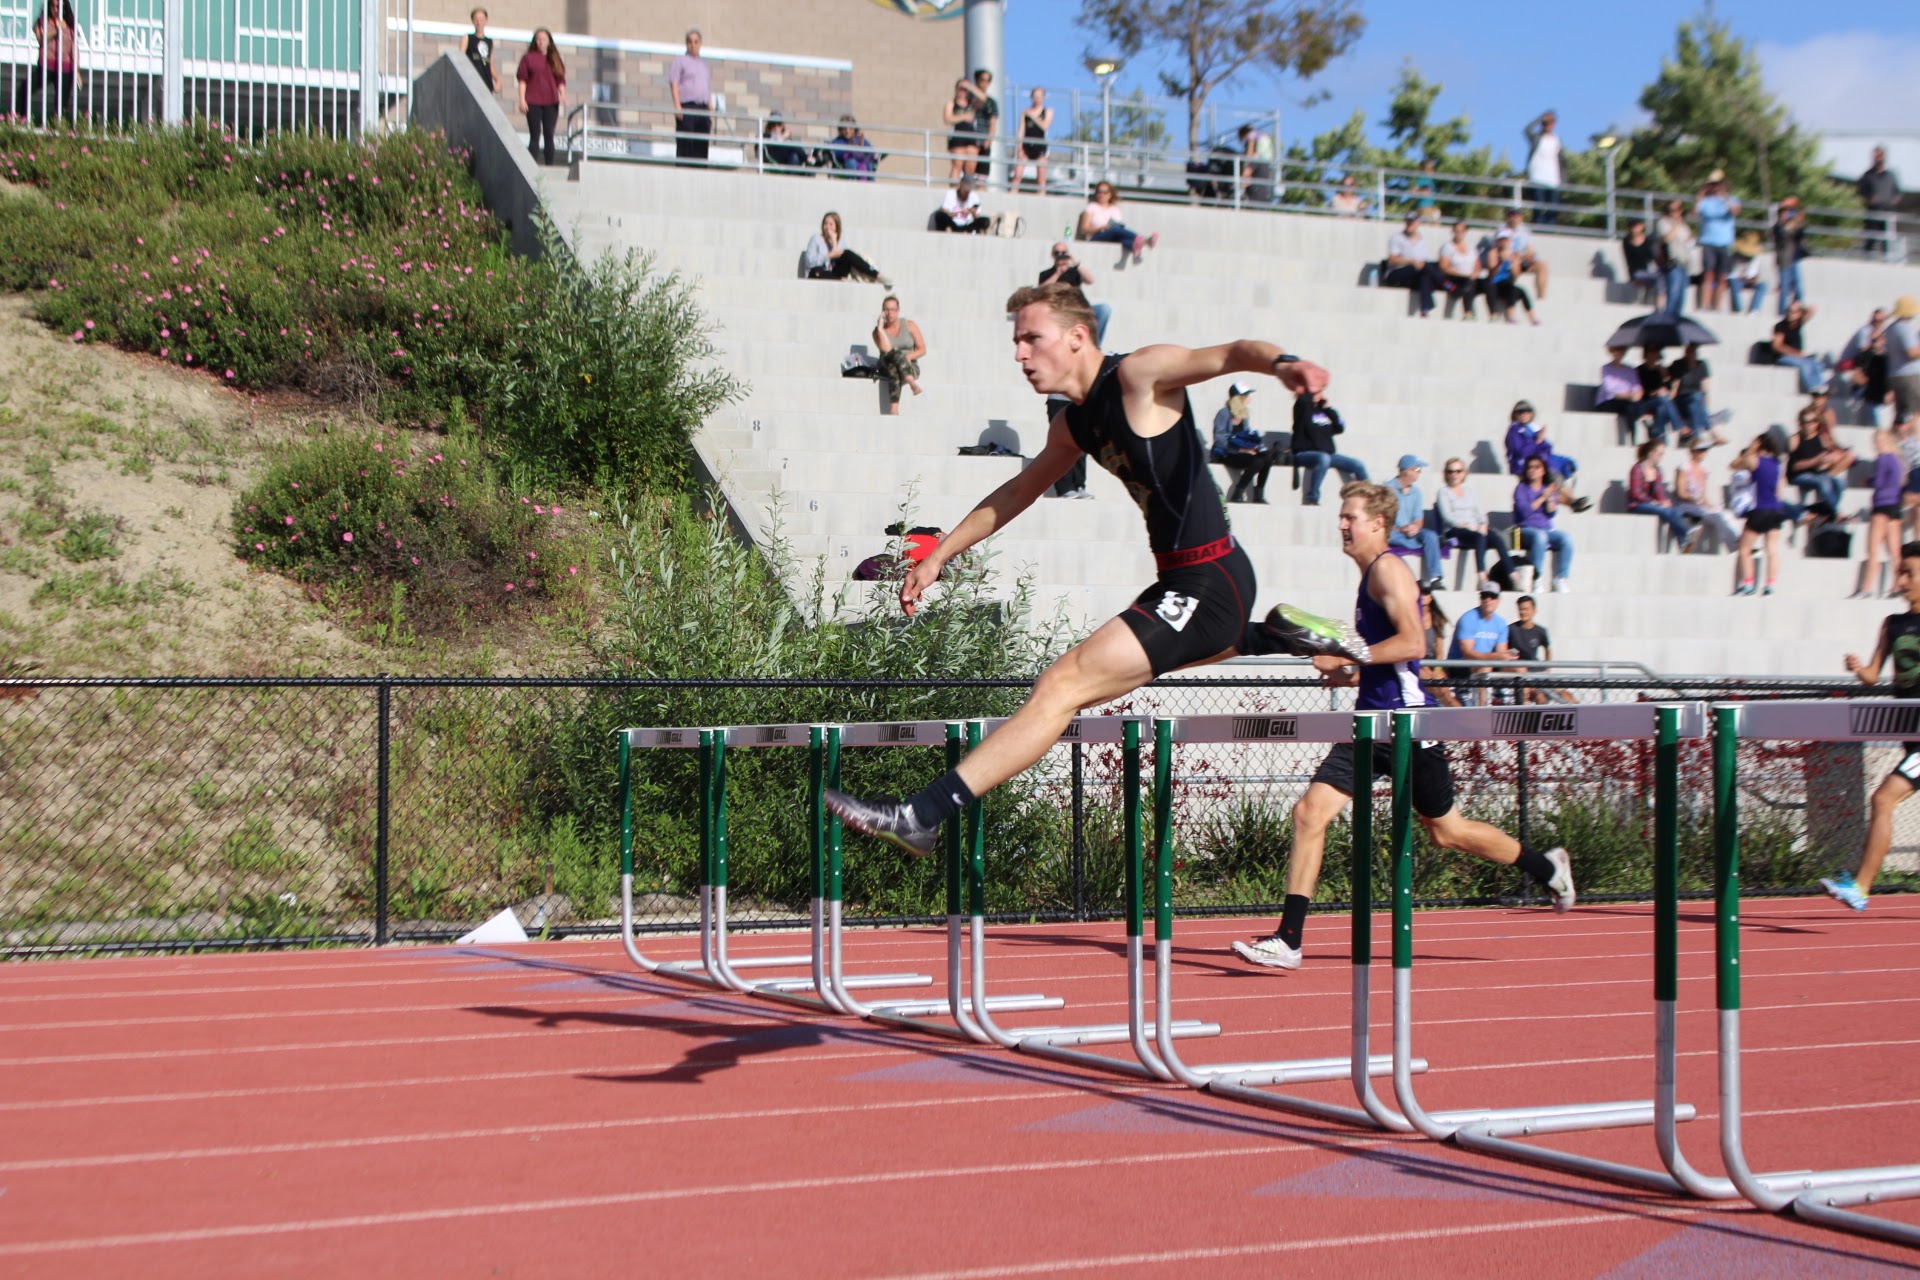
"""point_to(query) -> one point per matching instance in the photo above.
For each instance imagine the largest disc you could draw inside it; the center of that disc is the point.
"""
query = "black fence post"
(380, 813)
(1079, 843)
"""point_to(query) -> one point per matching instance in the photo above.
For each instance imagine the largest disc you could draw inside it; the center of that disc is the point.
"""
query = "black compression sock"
(1293, 920)
(947, 796)
(1534, 864)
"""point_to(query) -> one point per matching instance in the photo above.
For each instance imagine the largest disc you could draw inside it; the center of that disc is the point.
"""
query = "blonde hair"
(1069, 306)
(1380, 501)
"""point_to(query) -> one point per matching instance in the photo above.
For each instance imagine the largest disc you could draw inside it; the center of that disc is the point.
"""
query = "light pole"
(1104, 70)
(1611, 144)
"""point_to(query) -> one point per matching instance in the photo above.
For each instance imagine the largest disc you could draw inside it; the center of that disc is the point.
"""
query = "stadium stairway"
(818, 447)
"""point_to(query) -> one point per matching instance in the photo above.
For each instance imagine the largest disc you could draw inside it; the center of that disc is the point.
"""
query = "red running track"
(547, 1110)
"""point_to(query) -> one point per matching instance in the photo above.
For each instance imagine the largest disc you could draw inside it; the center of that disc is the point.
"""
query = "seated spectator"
(1347, 200)
(851, 154)
(1100, 221)
(1067, 269)
(1863, 362)
(1884, 518)
(1816, 463)
(1410, 531)
(1464, 524)
(828, 257)
(1433, 675)
(1656, 394)
(1527, 438)
(778, 151)
(1766, 513)
(1647, 493)
(1903, 360)
(1479, 636)
(1500, 279)
(1790, 347)
(1256, 146)
(1693, 496)
(1641, 256)
(1460, 266)
(1531, 643)
(1239, 448)
(901, 350)
(960, 209)
(1620, 392)
(1691, 376)
(1073, 484)
(1410, 266)
(1315, 424)
(1745, 276)
(1535, 499)
(1520, 242)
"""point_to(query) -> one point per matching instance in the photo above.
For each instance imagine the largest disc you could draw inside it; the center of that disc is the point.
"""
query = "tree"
(1214, 40)
(1710, 110)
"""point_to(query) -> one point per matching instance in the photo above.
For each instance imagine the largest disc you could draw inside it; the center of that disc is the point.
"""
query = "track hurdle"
(1634, 721)
(1242, 1080)
(1826, 1196)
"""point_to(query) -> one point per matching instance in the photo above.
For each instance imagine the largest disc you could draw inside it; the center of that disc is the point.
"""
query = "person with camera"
(1067, 269)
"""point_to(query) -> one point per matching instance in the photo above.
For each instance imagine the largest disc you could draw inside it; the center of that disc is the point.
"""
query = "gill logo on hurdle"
(770, 733)
(1528, 724)
(899, 733)
(1263, 728)
(1890, 721)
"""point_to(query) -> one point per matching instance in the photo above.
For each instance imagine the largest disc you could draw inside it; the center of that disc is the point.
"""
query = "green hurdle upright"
(1823, 1196)
(698, 971)
(1463, 723)
(1242, 1080)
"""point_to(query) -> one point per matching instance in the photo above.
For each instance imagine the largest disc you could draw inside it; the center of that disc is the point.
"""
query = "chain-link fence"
(198, 813)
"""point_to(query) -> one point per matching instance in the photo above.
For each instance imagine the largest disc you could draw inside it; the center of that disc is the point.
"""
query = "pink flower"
(295, 483)
(415, 559)
(533, 555)
(166, 333)
(79, 334)
(89, 324)
(163, 353)
(573, 568)
(289, 519)
(346, 537)
(259, 546)
(229, 373)
(509, 586)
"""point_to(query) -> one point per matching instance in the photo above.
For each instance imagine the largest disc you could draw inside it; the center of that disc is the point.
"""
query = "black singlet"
(1900, 638)
(1165, 475)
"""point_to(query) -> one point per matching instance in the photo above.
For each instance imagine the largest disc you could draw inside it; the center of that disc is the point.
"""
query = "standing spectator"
(1035, 123)
(1461, 267)
(1693, 495)
(1642, 258)
(1903, 361)
(1762, 462)
(828, 257)
(1520, 244)
(850, 152)
(963, 137)
(1410, 531)
(1409, 265)
(1535, 499)
(1315, 424)
(1884, 518)
(1790, 347)
(901, 350)
(1816, 464)
(1543, 171)
(986, 117)
(1789, 250)
(1745, 276)
(1433, 671)
(960, 209)
(1066, 269)
(478, 46)
(1256, 146)
(1879, 190)
(1863, 362)
(1620, 392)
(1100, 222)
(1691, 377)
(543, 91)
(1347, 200)
(690, 82)
(1239, 448)
(1527, 438)
(1647, 493)
(1531, 643)
(1675, 253)
(1716, 211)
(1464, 524)
(50, 90)
(1500, 268)
(1480, 636)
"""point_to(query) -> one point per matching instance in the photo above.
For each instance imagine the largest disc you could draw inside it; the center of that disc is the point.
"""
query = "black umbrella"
(1661, 329)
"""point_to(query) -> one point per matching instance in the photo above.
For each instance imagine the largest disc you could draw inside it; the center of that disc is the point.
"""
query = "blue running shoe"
(1842, 889)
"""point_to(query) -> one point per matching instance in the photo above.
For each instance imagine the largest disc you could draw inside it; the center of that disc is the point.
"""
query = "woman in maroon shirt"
(49, 89)
(543, 91)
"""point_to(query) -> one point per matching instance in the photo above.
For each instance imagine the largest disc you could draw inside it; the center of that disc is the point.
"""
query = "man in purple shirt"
(691, 84)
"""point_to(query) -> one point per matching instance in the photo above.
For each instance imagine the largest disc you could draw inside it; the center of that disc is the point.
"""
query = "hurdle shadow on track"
(1202, 959)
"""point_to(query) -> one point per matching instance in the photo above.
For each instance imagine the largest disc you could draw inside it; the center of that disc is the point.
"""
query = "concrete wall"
(450, 98)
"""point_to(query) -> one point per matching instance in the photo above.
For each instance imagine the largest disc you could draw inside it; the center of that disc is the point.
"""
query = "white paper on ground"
(504, 927)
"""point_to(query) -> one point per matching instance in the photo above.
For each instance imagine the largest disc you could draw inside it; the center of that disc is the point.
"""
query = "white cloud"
(1846, 80)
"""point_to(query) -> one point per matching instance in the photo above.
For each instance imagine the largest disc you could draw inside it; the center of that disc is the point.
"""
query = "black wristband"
(1284, 358)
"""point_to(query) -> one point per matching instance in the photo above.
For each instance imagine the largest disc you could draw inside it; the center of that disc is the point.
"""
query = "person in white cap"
(1239, 448)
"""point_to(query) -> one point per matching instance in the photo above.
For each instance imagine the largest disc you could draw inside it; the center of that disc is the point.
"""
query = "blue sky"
(1503, 64)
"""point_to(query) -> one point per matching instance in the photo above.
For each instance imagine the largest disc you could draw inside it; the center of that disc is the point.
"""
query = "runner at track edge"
(1389, 640)
(1900, 643)
(1131, 414)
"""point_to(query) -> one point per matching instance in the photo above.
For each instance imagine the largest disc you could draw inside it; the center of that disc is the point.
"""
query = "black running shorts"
(1193, 613)
(1909, 766)
(1432, 777)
